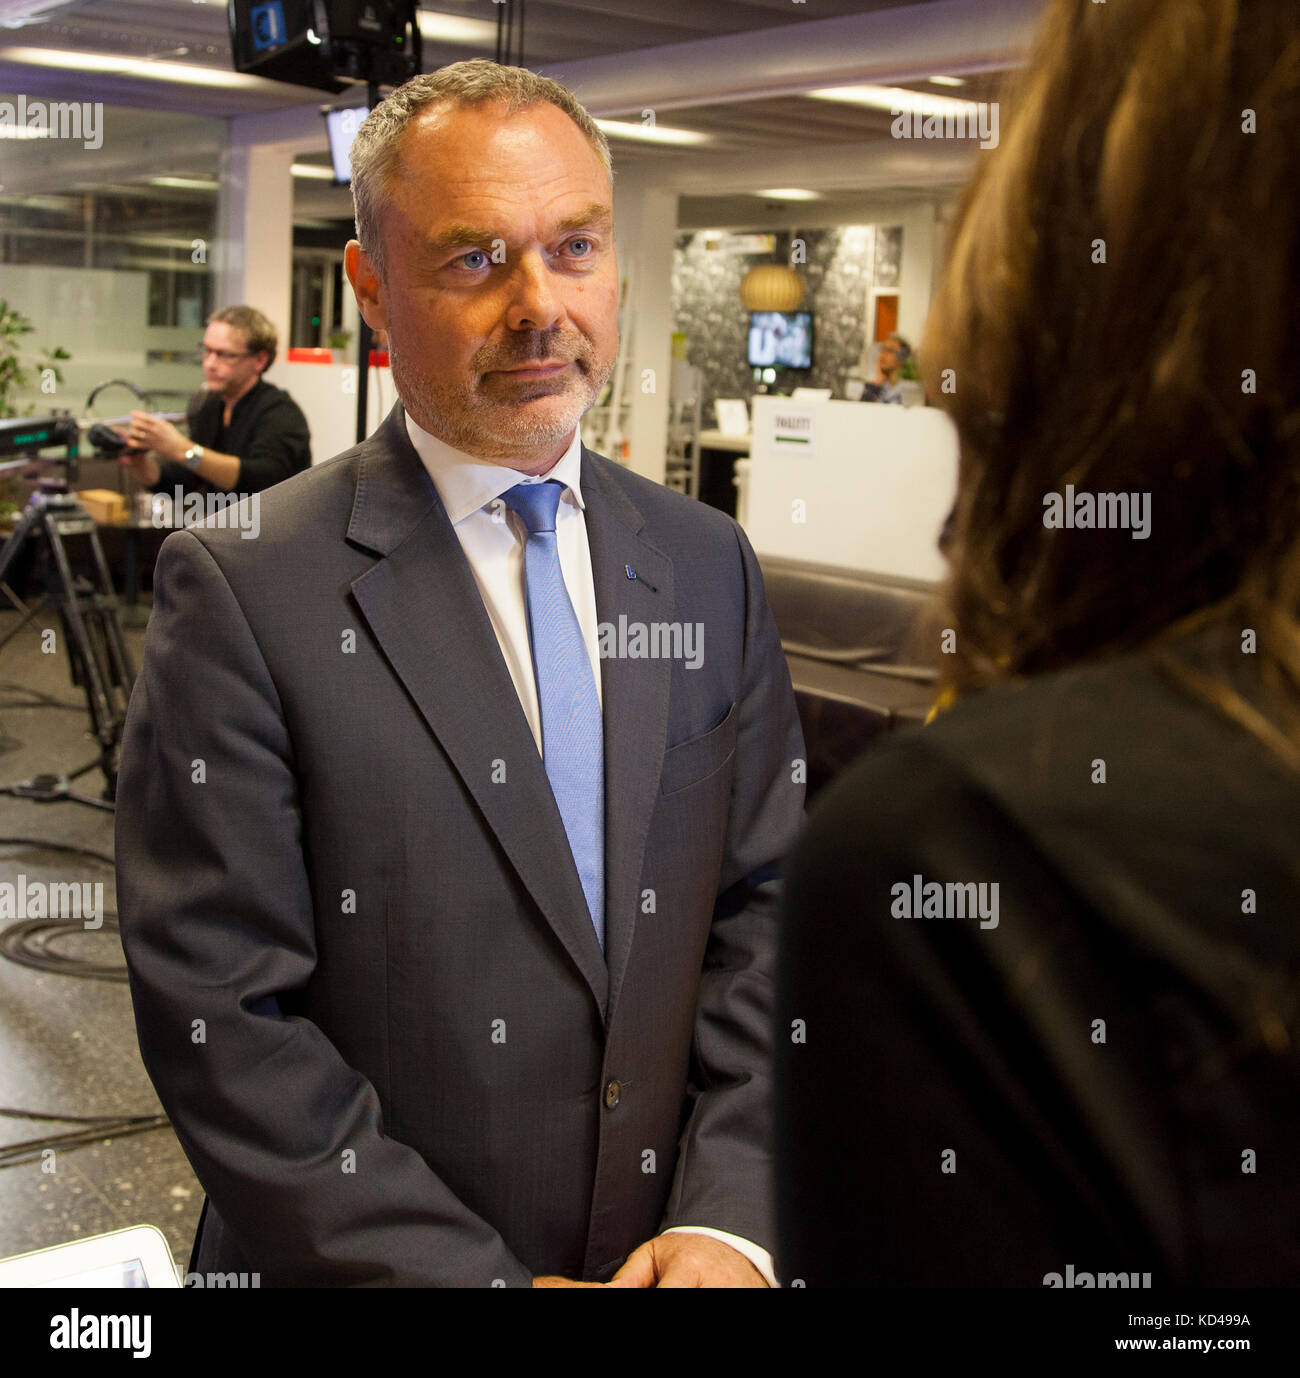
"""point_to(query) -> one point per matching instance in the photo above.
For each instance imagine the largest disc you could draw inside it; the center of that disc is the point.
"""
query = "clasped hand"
(677, 1260)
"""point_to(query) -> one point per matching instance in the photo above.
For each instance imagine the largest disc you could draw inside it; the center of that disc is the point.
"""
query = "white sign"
(793, 432)
(742, 243)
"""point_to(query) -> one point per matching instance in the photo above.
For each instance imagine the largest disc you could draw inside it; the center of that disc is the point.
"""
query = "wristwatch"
(194, 456)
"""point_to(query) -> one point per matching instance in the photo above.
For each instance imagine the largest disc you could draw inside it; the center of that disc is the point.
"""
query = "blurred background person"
(887, 386)
(245, 433)
(1047, 949)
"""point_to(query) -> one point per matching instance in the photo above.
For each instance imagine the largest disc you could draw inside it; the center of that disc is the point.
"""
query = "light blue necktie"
(572, 747)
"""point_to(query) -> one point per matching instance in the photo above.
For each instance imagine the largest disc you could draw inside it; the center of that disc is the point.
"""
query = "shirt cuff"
(760, 1258)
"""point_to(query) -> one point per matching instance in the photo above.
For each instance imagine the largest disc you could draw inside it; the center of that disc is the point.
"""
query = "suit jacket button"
(612, 1092)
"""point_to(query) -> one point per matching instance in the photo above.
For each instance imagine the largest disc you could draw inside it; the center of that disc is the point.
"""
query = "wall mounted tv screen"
(780, 339)
(341, 125)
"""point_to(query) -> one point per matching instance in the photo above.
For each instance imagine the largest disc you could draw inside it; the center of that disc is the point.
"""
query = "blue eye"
(474, 253)
(587, 242)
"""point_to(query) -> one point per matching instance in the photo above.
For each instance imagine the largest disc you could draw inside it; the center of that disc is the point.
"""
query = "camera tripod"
(92, 633)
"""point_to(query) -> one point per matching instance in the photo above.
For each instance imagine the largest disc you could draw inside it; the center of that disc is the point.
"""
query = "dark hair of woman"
(1117, 314)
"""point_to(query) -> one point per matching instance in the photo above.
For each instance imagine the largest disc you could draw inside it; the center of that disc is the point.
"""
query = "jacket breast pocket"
(689, 762)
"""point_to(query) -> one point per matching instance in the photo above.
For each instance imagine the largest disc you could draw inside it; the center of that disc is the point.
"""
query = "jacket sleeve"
(724, 1170)
(217, 923)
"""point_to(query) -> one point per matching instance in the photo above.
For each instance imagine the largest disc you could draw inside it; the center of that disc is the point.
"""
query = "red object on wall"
(886, 315)
(303, 355)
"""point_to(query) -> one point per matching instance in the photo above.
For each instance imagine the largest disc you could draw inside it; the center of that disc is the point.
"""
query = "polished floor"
(68, 1044)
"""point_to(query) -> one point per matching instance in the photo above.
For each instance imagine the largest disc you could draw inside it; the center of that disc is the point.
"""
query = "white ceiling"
(734, 70)
(196, 31)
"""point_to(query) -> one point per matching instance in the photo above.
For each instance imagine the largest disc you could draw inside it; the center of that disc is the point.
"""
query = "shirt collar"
(466, 484)
(239, 406)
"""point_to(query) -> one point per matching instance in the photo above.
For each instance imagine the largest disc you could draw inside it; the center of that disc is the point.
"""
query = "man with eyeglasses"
(245, 434)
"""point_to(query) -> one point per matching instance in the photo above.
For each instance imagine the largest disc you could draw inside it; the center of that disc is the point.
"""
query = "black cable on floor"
(42, 700)
(27, 944)
(44, 844)
(98, 1128)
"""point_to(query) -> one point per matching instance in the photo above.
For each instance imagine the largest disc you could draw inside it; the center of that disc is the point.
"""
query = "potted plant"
(13, 376)
(13, 379)
(11, 503)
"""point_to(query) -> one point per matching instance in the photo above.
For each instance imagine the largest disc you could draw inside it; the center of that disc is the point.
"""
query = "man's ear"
(366, 286)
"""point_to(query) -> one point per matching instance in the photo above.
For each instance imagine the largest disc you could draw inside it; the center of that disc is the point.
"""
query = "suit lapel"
(634, 697)
(424, 608)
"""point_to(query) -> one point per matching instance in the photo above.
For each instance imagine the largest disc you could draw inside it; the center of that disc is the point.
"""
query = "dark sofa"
(862, 651)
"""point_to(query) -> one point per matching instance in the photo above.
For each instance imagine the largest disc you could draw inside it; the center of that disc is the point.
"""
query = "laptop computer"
(135, 1257)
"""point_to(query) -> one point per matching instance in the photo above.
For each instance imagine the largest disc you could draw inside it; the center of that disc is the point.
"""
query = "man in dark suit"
(455, 966)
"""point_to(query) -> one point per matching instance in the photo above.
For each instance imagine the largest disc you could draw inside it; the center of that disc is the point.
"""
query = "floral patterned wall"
(839, 266)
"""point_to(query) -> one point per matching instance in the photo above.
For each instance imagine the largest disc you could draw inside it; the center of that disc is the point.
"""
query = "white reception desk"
(327, 394)
(856, 484)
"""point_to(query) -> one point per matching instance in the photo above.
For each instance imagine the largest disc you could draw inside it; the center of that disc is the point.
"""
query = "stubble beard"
(463, 416)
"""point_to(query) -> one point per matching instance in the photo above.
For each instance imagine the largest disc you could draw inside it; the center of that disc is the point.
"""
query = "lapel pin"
(632, 574)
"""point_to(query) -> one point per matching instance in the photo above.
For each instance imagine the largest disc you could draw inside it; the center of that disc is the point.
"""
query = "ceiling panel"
(175, 129)
(187, 31)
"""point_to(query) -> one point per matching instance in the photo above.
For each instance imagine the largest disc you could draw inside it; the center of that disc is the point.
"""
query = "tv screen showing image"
(780, 339)
(341, 126)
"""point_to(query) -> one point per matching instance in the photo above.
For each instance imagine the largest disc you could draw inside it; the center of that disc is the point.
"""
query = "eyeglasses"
(222, 355)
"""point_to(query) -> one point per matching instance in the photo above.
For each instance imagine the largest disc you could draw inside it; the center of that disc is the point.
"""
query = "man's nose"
(534, 304)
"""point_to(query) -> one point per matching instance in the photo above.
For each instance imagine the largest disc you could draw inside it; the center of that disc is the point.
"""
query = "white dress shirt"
(493, 539)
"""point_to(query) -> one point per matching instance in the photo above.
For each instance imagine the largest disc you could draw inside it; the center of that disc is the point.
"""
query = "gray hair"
(475, 82)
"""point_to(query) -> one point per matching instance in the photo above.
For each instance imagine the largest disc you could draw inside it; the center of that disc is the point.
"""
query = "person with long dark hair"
(1041, 958)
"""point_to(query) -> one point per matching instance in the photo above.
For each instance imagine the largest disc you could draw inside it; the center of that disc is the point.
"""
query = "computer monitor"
(341, 126)
(135, 1257)
(780, 339)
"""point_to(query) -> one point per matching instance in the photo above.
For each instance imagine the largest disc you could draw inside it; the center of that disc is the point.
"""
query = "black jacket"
(1099, 1067)
(267, 431)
